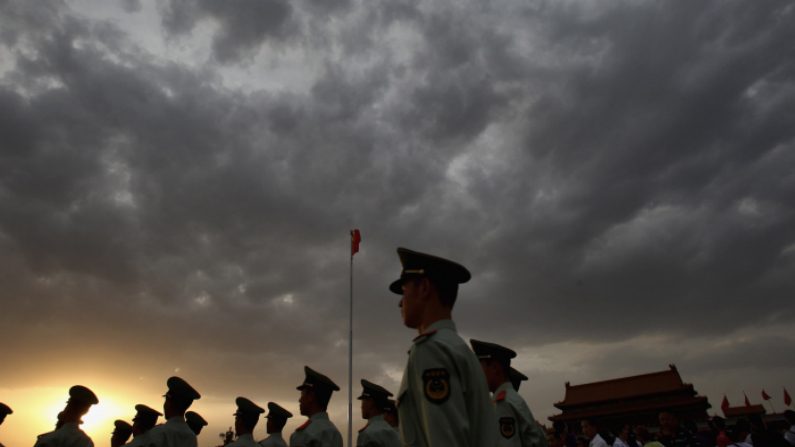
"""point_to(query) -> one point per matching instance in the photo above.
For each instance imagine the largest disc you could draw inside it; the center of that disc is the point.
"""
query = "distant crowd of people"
(743, 432)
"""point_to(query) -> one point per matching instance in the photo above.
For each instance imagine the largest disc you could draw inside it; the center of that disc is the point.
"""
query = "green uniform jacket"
(69, 435)
(377, 433)
(174, 433)
(246, 440)
(443, 399)
(274, 440)
(516, 424)
(317, 431)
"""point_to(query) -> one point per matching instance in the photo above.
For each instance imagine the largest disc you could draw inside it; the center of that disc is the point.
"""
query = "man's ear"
(424, 287)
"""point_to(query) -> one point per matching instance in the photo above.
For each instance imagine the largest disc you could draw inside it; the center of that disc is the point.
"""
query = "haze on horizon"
(178, 179)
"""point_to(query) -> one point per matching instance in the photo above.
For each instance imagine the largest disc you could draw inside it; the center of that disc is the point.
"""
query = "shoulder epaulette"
(304, 425)
(500, 396)
(424, 335)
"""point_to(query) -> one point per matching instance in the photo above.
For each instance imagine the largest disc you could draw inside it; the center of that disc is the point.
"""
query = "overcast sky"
(178, 180)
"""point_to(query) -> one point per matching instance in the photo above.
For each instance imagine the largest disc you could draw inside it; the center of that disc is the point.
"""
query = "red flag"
(765, 396)
(725, 404)
(787, 399)
(747, 402)
(356, 237)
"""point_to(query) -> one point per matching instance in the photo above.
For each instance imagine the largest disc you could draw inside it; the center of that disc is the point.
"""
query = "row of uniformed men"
(445, 397)
(182, 426)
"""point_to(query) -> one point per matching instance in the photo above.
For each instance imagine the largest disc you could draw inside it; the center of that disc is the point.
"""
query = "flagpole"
(350, 356)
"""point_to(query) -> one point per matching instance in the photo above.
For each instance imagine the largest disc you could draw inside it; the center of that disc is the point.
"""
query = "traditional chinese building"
(634, 400)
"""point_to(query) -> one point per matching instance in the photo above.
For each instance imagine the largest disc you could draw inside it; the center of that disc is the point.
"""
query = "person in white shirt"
(789, 435)
(622, 440)
(591, 430)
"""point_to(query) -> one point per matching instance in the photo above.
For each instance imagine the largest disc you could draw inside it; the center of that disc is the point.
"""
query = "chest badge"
(436, 383)
(507, 427)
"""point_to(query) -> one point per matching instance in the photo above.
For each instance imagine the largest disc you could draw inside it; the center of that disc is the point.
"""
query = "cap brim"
(397, 286)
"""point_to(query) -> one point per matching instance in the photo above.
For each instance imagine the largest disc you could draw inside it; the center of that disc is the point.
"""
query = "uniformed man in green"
(377, 432)
(144, 420)
(195, 421)
(517, 426)
(121, 433)
(443, 398)
(318, 430)
(516, 378)
(175, 432)
(277, 418)
(68, 433)
(246, 418)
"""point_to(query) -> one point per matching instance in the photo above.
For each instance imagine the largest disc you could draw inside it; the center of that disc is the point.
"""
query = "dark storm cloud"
(605, 171)
(243, 25)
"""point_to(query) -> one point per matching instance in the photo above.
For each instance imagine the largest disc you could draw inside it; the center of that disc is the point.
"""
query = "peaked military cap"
(5, 409)
(423, 264)
(142, 410)
(194, 418)
(245, 406)
(315, 379)
(179, 388)
(516, 378)
(486, 350)
(373, 391)
(276, 411)
(123, 428)
(81, 395)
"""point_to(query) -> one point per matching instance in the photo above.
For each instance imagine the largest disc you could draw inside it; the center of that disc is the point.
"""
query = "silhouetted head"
(80, 401)
(426, 278)
(145, 418)
(246, 416)
(495, 360)
(315, 392)
(5, 410)
(195, 422)
(277, 418)
(374, 399)
(121, 433)
(179, 397)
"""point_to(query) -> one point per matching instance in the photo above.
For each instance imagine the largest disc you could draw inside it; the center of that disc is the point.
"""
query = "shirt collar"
(319, 415)
(506, 386)
(441, 324)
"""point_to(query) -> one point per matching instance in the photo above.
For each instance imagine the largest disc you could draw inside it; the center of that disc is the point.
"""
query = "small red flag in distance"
(725, 404)
(787, 399)
(356, 237)
(765, 396)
